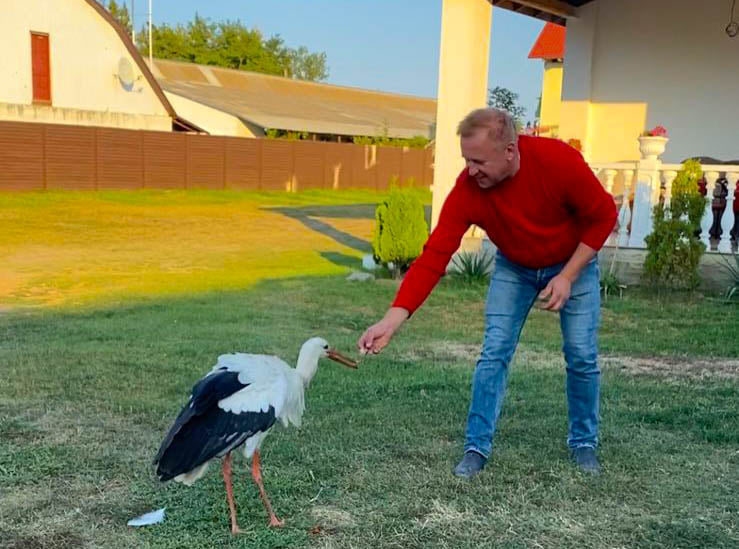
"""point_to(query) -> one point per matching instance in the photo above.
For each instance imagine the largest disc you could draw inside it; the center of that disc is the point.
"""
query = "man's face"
(489, 163)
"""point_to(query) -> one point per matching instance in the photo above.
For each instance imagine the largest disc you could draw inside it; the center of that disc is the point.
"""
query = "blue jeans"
(513, 290)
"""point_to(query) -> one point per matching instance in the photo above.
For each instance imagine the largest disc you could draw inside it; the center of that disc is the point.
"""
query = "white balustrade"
(624, 215)
(608, 173)
(727, 220)
(653, 182)
(711, 177)
(669, 176)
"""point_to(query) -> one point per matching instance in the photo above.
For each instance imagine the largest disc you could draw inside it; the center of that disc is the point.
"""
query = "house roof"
(123, 35)
(554, 11)
(286, 104)
(550, 44)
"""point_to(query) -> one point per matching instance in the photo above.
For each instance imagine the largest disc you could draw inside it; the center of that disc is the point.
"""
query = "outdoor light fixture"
(732, 29)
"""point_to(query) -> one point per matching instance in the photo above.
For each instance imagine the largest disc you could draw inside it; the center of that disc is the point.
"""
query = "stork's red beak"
(341, 359)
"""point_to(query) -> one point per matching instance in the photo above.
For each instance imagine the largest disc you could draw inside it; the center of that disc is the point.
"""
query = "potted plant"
(652, 143)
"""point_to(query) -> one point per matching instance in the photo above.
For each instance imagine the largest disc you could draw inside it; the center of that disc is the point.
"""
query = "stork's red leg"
(256, 473)
(230, 493)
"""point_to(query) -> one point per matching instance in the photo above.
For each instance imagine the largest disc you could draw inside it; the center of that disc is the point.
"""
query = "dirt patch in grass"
(444, 351)
(674, 368)
(444, 515)
(331, 518)
(664, 367)
(59, 540)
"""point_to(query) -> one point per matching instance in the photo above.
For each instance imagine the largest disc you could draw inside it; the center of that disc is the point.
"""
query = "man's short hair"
(500, 125)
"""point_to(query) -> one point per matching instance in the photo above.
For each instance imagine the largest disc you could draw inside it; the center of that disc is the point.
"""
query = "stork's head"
(312, 351)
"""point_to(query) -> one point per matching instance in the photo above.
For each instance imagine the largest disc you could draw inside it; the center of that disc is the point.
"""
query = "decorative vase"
(651, 146)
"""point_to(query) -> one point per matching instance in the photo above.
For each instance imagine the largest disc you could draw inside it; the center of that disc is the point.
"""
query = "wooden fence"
(53, 156)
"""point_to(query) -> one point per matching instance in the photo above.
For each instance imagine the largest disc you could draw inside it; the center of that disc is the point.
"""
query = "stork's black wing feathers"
(202, 430)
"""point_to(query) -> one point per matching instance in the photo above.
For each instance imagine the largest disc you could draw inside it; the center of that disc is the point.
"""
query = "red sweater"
(536, 218)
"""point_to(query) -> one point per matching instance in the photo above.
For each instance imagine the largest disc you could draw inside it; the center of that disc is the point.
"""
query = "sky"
(386, 45)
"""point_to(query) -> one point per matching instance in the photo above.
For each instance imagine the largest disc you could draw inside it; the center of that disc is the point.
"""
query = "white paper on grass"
(153, 517)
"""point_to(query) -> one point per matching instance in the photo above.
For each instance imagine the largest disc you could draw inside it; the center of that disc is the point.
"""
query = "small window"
(40, 67)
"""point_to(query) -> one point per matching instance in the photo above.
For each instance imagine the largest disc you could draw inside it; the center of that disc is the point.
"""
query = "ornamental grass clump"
(674, 248)
(472, 267)
(400, 231)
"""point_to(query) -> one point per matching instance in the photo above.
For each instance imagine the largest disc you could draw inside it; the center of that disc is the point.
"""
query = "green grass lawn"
(94, 371)
(79, 248)
(87, 396)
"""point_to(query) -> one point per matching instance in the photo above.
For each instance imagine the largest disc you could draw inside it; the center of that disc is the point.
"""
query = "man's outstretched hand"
(376, 337)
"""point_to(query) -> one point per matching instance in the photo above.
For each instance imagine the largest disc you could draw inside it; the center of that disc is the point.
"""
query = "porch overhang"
(554, 11)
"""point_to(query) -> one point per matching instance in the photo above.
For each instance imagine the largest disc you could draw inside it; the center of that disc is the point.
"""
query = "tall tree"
(120, 14)
(231, 44)
(505, 99)
(307, 66)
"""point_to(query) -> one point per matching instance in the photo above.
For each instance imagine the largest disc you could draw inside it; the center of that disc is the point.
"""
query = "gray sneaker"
(472, 463)
(586, 460)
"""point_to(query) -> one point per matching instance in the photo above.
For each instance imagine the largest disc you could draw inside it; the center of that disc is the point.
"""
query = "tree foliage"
(506, 100)
(119, 11)
(231, 44)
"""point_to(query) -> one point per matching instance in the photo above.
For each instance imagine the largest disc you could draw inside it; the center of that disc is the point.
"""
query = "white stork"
(237, 403)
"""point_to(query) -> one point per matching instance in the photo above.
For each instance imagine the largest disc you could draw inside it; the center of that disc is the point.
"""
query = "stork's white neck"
(308, 363)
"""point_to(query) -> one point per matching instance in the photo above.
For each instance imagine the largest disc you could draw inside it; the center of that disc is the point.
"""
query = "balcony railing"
(639, 185)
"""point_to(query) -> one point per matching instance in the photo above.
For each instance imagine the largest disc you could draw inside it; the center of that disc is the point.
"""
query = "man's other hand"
(555, 295)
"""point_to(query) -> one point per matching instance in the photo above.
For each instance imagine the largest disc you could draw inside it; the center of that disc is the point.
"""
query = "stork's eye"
(325, 347)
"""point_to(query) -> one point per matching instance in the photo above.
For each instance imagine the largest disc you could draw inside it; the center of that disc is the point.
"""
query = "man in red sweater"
(548, 215)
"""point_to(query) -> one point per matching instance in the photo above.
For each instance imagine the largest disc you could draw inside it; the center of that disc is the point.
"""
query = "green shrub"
(417, 142)
(674, 249)
(400, 231)
(733, 272)
(610, 285)
(472, 267)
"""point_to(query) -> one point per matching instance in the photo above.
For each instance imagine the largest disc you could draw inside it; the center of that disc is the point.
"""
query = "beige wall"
(551, 98)
(84, 52)
(212, 120)
(463, 80)
(632, 65)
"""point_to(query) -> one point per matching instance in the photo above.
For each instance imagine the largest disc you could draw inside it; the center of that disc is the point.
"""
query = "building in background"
(550, 46)
(71, 63)
(248, 104)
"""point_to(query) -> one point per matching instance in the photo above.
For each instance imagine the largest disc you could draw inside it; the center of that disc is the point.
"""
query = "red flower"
(658, 131)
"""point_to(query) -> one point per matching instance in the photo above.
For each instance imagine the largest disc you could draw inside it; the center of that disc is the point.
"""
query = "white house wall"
(634, 64)
(84, 52)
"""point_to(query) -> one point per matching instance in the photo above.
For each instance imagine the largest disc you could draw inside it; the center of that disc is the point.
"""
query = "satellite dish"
(125, 73)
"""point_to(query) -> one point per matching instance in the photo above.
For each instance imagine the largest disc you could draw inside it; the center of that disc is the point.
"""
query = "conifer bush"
(400, 231)
(674, 248)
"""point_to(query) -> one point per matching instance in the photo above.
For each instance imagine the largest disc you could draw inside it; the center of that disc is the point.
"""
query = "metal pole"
(151, 41)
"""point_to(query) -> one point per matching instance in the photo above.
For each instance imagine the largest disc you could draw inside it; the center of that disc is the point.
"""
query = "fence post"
(223, 171)
(143, 160)
(187, 160)
(292, 183)
(43, 157)
(95, 158)
(260, 161)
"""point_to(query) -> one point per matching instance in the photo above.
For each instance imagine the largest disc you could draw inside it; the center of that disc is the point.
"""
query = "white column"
(669, 176)
(707, 219)
(463, 84)
(610, 176)
(646, 195)
(727, 221)
(624, 214)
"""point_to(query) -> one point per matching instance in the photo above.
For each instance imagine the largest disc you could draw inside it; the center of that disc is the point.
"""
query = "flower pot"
(651, 146)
